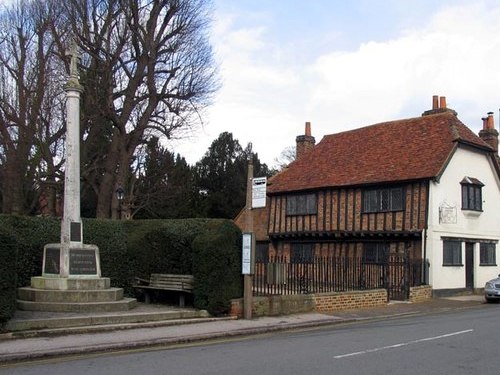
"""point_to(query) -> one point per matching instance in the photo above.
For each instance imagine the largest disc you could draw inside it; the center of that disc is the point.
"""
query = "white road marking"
(403, 344)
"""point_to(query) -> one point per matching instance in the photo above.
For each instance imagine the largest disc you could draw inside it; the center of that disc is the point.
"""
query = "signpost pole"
(247, 278)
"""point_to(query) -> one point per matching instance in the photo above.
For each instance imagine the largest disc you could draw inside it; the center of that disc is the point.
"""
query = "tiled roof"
(401, 150)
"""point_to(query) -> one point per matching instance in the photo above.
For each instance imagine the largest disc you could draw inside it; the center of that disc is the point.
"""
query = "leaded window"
(375, 252)
(383, 200)
(262, 252)
(302, 253)
(472, 198)
(301, 204)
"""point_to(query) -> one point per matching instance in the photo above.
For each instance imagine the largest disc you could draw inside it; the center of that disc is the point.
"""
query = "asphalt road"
(458, 342)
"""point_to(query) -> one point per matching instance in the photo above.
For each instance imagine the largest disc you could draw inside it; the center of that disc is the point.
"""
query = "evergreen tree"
(221, 176)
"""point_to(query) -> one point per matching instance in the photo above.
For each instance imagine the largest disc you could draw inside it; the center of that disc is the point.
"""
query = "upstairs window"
(472, 198)
(301, 204)
(383, 200)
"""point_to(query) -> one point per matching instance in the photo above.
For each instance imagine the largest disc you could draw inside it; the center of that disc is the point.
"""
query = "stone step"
(82, 307)
(112, 320)
(61, 283)
(47, 295)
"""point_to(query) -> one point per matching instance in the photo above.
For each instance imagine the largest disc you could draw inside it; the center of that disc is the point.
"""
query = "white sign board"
(247, 254)
(259, 192)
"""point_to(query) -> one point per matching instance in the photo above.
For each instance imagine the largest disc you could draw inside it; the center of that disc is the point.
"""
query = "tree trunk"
(13, 197)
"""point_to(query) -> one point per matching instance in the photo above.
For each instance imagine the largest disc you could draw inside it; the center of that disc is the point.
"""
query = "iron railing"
(280, 276)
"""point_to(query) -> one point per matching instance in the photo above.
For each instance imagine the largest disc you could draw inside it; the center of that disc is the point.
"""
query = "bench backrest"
(172, 282)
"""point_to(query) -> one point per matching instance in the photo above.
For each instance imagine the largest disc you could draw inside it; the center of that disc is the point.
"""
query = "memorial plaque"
(82, 262)
(52, 260)
(75, 232)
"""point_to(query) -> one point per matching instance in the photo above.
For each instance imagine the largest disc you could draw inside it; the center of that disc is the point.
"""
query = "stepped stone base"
(142, 315)
(79, 294)
(83, 307)
(61, 283)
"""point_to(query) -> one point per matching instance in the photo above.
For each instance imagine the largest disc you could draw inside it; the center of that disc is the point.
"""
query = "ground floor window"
(302, 253)
(262, 252)
(452, 253)
(487, 254)
(375, 252)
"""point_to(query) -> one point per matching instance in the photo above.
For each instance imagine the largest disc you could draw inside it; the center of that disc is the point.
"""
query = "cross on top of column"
(75, 56)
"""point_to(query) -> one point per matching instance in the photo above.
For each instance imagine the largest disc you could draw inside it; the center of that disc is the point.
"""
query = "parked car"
(492, 290)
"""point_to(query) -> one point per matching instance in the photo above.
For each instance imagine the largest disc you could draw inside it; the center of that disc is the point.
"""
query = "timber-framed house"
(426, 187)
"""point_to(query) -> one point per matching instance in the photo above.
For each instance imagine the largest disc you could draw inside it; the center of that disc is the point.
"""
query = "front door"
(469, 265)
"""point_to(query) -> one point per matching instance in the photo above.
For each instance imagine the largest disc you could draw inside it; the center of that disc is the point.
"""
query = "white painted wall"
(468, 224)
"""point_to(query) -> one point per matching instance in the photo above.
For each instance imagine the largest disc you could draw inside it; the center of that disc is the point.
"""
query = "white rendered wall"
(447, 194)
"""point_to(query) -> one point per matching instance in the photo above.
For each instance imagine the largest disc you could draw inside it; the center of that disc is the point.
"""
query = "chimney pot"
(491, 121)
(442, 102)
(308, 129)
(435, 100)
(489, 134)
(485, 122)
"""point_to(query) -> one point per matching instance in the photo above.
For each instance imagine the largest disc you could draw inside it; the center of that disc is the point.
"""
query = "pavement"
(45, 343)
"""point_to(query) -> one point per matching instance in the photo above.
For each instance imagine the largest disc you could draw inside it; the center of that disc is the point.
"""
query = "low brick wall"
(275, 305)
(420, 293)
(320, 302)
(328, 302)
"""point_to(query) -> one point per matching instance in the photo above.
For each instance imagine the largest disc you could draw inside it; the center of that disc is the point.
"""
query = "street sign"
(247, 254)
(259, 192)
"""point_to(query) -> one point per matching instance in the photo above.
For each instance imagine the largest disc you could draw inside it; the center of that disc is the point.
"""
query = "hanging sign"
(259, 192)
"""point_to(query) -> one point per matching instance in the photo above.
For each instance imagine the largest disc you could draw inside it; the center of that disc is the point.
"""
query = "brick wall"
(328, 302)
(321, 302)
(420, 293)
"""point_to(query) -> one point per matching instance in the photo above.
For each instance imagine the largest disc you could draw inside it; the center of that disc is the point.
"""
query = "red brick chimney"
(305, 142)
(489, 134)
(438, 106)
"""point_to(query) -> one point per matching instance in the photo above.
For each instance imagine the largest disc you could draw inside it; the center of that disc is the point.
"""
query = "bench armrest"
(139, 281)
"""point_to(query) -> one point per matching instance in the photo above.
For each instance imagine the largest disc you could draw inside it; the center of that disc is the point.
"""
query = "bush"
(207, 248)
(8, 275)
(31, 235)
(111, 239)
(217, 269)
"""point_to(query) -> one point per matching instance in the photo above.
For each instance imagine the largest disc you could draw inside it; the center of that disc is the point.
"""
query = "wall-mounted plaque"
(447, 214)
(82, 262)
(75, 231)
(52, 260)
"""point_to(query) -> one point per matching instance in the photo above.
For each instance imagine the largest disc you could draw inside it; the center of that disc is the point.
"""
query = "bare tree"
(148, 71)
(31, 125)
(285, 158)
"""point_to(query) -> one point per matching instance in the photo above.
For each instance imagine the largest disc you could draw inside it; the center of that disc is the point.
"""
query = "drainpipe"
(426, 225)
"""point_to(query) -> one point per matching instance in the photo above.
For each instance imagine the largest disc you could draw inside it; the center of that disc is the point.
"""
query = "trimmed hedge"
(138, 248)
(217, 270)
(31, 234)
(8, 275)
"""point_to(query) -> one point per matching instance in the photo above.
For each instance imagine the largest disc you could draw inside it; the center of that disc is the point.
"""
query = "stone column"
(71, 258)
(71, 227)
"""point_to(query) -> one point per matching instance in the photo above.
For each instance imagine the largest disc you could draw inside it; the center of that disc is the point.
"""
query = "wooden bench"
(169, 282)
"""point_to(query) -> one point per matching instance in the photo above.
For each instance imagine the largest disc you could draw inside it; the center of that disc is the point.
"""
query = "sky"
(345, 64)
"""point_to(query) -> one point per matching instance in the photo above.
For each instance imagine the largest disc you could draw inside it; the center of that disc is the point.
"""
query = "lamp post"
(120, 195)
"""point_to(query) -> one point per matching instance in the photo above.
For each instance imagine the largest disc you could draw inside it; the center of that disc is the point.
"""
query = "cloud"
(267, 94)
(456, 55)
